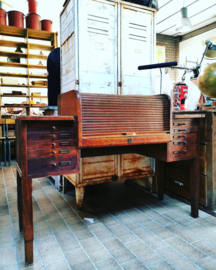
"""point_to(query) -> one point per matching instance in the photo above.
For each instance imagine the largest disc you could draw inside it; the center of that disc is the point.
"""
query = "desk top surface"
(45, 118)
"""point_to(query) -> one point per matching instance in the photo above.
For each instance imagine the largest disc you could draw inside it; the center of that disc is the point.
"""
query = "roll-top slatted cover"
(110, 115)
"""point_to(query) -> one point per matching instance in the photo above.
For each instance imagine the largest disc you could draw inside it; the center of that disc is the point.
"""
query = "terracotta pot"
(46, 25)
(16, 18)
(33, 21)
(32, 6)
(3, 16)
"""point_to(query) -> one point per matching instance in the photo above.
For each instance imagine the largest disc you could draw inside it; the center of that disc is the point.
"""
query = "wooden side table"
(46, 146)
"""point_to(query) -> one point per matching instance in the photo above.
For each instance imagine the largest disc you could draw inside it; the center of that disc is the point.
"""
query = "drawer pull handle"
(53, 136)
(53, 144)
(54, 164)
(179, 124)
(129, 140)
(184, 151)
(179, 143)
(182, 129)
(64, 135)
(179, 183)
(53, 127)
(176, 152)
(53, 152)
(64, 151)
(64, 143)
(65, 163)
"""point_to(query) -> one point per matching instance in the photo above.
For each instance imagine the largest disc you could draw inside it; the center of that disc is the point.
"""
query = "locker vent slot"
(136, 32)
(98, 25)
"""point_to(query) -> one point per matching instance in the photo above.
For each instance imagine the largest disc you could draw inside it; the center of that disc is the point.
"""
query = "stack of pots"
(33, 19)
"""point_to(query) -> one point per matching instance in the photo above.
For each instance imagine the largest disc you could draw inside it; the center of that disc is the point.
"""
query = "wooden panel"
(52, 165)
(190, 137)
(36, 136)
(184, 130)
(51, 144)
(98, 168)
(52, 126)
(134, 164)
(51, 152)
(105, 115)
(182, 151)
(178, 182)
(203, 131)
(181, 123)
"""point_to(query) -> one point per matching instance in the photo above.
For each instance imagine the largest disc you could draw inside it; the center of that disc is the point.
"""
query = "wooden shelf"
(37, 56)
(40, 47)
(28, 42)
(11, 64)
(13, 54)
(12, 44)
(37, 66)
(24, 86)
(24, 32)
(6, 74)
(24, 96)
(22, 106)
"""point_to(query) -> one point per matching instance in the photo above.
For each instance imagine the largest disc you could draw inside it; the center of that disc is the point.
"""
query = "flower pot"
(16, 18)
(32, 6)
(33, 21)
(46, 25)
(3, 17)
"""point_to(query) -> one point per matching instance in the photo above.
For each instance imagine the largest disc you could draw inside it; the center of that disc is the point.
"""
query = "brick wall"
(172, 52)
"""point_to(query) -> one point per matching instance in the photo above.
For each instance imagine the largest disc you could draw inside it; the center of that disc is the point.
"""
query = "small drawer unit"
(184, 139)
(51, 146)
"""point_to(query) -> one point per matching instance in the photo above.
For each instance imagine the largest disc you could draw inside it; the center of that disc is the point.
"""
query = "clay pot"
(32, 6)
(33, 21)
(3, 16)
(16, 18)
(46, 25)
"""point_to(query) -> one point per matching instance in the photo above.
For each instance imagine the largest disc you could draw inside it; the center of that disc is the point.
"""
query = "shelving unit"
(30, 38)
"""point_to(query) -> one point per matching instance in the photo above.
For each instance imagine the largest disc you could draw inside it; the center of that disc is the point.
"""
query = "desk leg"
(79, 196)
(28, 220)
(19, 201)
(194, 187)
(160, 178)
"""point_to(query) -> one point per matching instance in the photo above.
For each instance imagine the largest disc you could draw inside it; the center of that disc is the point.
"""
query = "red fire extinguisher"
(180, 97)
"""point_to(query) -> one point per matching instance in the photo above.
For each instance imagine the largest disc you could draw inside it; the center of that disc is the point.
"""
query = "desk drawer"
(51, 152)
(190, 137)
(181, 151)
(52, 126)
(185, 123)
(184, 130)
(32, 145)
(50, 165)
(36, 136)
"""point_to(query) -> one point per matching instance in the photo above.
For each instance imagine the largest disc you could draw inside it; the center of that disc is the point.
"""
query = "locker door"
(137, 43)
(97, 46)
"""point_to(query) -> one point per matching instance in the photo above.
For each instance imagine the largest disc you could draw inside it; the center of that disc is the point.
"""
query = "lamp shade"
(185, 23)
(211, 53)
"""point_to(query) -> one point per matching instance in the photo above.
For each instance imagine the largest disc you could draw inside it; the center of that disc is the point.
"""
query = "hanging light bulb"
(185, 23)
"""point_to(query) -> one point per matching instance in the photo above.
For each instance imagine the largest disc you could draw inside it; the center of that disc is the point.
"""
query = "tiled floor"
(131, 230)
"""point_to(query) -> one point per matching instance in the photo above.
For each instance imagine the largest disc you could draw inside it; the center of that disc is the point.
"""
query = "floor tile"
(108, 264)
(62, 265)
(66, 241)
(207, 263)
(94, 249)
(77, 259)
(119, 251)
(134, 265)
(162, 266)
(144, 253)
(101, 231)
(80, 230)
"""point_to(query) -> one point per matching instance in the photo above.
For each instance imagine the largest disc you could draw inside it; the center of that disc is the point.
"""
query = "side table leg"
(20, 201)
(160, 178)
(79, 196)
(28, 220)
(194, 187)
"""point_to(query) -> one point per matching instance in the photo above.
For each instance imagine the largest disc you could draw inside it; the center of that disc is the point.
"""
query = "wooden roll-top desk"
(95, 125)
